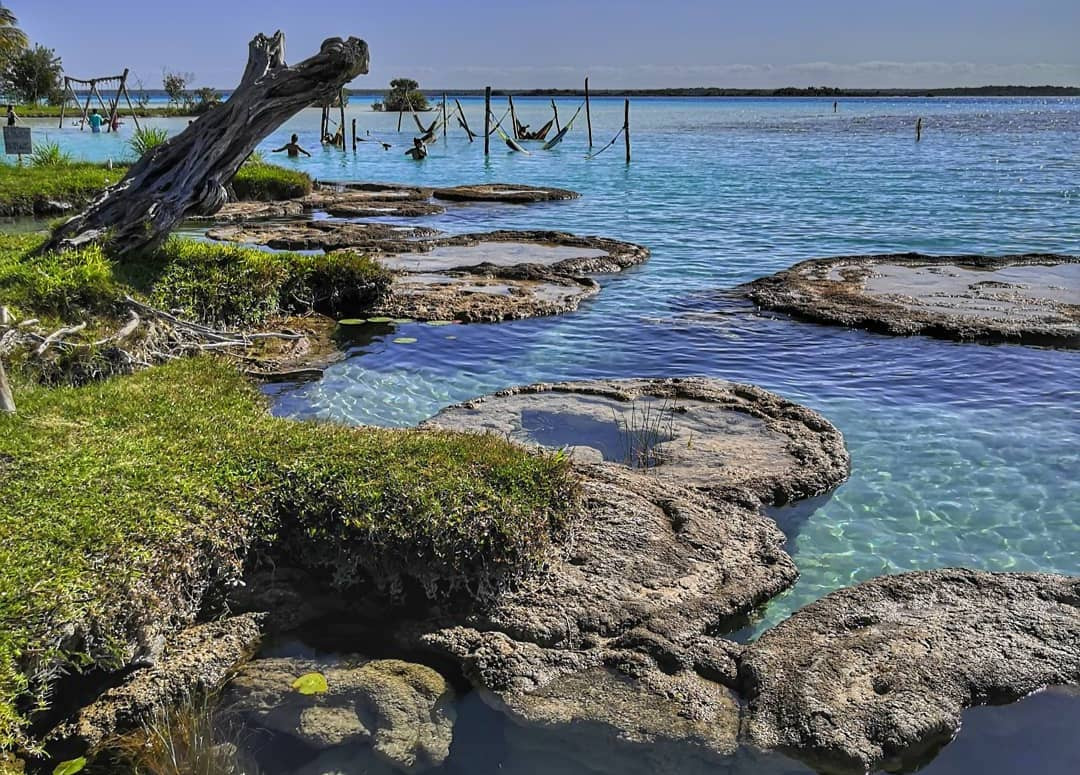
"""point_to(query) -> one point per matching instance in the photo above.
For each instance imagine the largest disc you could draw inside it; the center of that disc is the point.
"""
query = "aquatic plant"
(50, 154)
(311, 683)
(146, 139)
(187, 739)
(644, 431)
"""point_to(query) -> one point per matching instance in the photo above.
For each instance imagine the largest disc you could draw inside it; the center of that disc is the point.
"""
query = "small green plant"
(147, 139)
(188, 739)
(311, 683)
(644, 431)
(50, 154)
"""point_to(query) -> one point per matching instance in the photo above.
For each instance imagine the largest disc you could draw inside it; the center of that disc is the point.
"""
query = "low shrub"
(339, 284)
(50, 154)
(146, 139)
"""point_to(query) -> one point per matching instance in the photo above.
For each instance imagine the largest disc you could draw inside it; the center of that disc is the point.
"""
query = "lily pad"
(70, 767)
(311, 683)
(380, 320)
(402, 321)
(352, 322)
(405, 340)
(440, 322)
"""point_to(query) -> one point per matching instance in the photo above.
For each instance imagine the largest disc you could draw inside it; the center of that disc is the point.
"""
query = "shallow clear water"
(962, 454)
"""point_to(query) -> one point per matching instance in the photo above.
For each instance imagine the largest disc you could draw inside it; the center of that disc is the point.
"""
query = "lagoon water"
(963, 454)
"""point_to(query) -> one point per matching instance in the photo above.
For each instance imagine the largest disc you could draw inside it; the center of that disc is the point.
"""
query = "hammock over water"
(558, 138)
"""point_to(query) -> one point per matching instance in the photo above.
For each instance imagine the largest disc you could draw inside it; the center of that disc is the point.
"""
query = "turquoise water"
(963, 454)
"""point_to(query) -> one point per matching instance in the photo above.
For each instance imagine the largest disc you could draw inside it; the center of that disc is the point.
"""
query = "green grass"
(259, 181)
(218, 285)
(24, 190)
(123, 496)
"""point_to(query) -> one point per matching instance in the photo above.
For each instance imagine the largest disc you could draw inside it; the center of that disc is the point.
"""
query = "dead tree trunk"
(7, 403)
(188, 174)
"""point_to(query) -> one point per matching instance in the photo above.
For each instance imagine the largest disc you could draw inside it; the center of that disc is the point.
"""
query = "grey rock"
(403, 711)
(618, 632)
(875, 675)
(1031, 298)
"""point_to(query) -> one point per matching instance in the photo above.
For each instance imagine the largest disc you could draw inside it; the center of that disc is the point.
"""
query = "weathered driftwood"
(188, 174)
(7, 402)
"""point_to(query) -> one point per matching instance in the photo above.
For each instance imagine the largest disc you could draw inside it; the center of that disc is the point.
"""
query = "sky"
(470, 44)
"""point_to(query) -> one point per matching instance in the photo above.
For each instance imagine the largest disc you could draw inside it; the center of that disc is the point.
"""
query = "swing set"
(111, 110)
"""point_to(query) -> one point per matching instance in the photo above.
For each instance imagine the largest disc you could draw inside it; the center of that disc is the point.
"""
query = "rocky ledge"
(620, 633)
(510, 193)
(875, 676)
(1026, 298)
(500, 275)
(483, 277)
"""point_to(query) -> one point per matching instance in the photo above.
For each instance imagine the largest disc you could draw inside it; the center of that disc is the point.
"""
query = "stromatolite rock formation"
(404, 712)
(1028, 298)
(876, 675)
(621, 630)
(512, 193)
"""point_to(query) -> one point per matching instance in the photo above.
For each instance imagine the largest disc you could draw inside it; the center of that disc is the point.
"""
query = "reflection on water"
(632, 437)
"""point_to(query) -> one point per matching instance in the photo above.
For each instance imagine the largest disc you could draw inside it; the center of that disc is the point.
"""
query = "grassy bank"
(124, 498)
(217, 285)
(28, 190)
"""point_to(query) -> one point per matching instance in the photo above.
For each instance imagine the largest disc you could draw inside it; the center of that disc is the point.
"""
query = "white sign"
(17, 140)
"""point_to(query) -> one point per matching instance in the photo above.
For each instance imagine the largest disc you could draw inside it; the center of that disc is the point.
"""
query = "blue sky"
(469, 44)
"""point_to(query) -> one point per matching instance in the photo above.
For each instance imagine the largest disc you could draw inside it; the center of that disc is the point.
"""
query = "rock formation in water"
(876, 675)
(619, 633)
(1028, 298)
(402, 711)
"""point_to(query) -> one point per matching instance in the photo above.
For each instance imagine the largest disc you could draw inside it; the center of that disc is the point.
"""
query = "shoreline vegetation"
(173, 111)
(58, 189)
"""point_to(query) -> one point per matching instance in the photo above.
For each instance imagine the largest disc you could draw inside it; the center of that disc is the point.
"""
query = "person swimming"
(293, 148)
(419, 150)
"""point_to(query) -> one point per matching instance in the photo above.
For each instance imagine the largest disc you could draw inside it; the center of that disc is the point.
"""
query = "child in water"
(418, 151)
(293, 148)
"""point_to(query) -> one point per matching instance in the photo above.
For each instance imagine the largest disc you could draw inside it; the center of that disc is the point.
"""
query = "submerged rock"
(504, 192)
(877, 675)
(233, 212)
(619, 633)
(404, 712)
(1026, 298)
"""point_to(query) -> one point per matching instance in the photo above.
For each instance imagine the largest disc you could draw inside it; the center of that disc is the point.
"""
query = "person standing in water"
(11, 117)
(96, 120)
(418, 151)
(293, 148)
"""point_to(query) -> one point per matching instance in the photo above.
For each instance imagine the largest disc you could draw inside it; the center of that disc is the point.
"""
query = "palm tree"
(11, 37)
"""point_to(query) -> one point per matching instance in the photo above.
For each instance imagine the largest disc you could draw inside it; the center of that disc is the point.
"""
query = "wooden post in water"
(354, 135)
(588, 111)
(400, 113)
(918, 130)
(444, 117)
(464, 121)
(556, 109)
(341, 106)
(626, 129)
(487, 121)
(513, 116)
